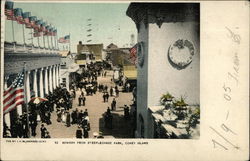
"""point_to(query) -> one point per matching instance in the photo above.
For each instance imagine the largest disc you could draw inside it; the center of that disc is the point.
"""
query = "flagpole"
(38, 40)
(51, 42)
(43, 41)
(13, 34)
(26, 100)
(31, 30)
(69, 42)
(57, 42)
(23, 35)
(48, 41)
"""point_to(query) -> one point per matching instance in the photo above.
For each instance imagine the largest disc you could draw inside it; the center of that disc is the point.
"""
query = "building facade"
(168, 56)
(42, 72)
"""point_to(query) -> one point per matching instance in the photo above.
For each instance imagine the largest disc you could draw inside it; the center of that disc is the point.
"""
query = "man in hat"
(85, 113)
(43, 131)
(83, 100)
(80, 100)
(107, 96)
(85, 132)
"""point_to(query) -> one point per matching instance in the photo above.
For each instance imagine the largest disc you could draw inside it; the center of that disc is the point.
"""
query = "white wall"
(162, 77)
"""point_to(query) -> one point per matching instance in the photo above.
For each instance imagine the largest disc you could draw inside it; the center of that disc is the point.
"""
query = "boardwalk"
(96, 108)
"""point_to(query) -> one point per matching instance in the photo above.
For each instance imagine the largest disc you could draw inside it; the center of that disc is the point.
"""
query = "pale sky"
(109, 22)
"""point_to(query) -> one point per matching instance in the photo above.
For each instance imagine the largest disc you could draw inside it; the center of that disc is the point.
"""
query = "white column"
(41, 83)
(46, 84)
(7, 115)
(28, 86)
(50, 80)
(35, 83)
(54, 76)
(58, 75)
(5, 83)
(7, 119)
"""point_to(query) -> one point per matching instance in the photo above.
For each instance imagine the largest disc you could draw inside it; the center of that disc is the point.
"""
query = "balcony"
(13, 47)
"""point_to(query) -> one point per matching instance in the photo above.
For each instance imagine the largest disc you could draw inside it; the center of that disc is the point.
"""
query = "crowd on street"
(60, 101)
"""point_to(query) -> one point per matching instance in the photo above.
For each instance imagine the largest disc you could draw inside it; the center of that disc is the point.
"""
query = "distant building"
(68, 69)
(87, 53)
(168, 58)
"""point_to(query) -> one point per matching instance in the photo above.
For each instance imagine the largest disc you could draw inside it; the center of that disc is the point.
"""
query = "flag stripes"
(14, 95)
(133, 54)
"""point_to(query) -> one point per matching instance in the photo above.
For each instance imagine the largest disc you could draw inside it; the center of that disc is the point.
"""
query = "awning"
(81, 62)
(130, 72)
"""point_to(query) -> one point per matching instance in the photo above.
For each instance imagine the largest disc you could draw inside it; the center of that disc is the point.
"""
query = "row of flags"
(40, 27)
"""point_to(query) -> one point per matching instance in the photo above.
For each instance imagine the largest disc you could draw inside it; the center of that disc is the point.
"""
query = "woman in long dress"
(68, 119)
(64, 117)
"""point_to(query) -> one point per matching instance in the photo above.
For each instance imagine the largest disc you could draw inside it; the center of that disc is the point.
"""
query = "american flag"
(14, 95)
(64, 39)
(18, 13)
(133, 54)
(9, 10)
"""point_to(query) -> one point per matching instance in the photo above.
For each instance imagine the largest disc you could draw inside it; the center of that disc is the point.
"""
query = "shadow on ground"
(122, 128)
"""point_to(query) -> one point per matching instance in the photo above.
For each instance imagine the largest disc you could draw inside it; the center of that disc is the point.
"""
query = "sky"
(109, 23)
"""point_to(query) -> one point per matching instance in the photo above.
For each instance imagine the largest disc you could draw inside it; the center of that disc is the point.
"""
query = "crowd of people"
(60, 101)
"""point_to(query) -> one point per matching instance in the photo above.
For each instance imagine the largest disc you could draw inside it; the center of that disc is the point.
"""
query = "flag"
(133, 54)
(43, 27)
(32, 21)
(18, 13)
(46, 32)
(54, 32)
(51, 29)
(9, 10)
(37, 26)
(14, 95)
(26, 19)
(64, 39)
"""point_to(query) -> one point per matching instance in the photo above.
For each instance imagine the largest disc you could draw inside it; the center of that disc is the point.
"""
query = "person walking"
(80, 100)
(79, 132)
(68, 119)
(83, 100)
(113, 105)
(85, 132)
(107, 96)
(104, 97)
(111, 91)
(43, 131)
(33, 127)
(117, 92)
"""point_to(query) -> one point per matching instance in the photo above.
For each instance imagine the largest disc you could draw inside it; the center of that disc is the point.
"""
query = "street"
(96, 108)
